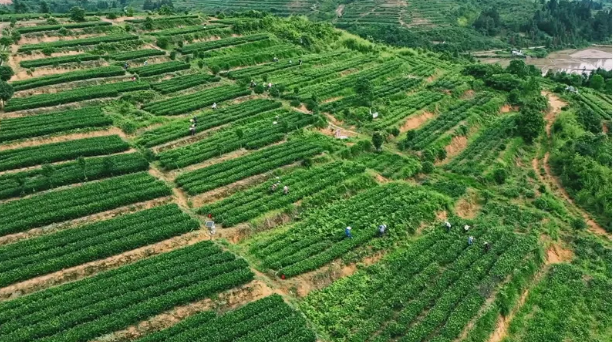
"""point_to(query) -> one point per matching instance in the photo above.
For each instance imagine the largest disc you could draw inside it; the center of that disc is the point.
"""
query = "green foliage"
(377, 140)
(6, 72)
(530, 124)
(6, 91)
(77, 14)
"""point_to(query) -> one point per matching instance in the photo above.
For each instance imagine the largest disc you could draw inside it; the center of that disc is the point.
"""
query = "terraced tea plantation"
(244, 178)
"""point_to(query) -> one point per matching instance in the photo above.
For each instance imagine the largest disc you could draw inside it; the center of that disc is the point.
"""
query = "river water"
(571, 61)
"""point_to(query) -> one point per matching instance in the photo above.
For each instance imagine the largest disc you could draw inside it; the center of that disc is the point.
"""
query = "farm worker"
(348, 232)
(300, 62)
(210, 216)
(283, 276)
(275, 59)
(448, 225)
(290, 61)
(214, 106)
(470, 240)
(195, 120)
(134, 78)
(191, 121)
(125, 65)
(145, 63)
(192, 130)
(252, 84)
(486, 247)
(382, 229)
(273, 188)
(466, 228)
(285, 190)
(269, 85)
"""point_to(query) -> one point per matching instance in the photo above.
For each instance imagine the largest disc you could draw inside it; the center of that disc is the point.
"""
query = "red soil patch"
(416, 121)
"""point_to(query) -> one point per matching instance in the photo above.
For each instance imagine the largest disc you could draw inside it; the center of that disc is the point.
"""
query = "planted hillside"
(264, 160)
(269, 319)
(77, 42)
(246, 205)
(39, 125)
(46, 254)
(433, 297)
(68, 77)
(52, 176)
(55, 152)
(319, 238)
(187, 103)
(75, 95)
(254, 135)
(234, 113)
(116, 299)
(87, 199)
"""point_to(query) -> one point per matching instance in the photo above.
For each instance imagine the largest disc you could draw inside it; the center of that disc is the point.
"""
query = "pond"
(571, 61)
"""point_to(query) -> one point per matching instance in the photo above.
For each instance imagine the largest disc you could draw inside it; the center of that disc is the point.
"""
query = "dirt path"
(339, 10)
(555, 107)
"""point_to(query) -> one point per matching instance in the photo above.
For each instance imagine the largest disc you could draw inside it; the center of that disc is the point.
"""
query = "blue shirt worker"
(348, 232)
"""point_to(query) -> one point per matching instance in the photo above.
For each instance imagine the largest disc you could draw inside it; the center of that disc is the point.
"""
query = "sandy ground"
(416, 121)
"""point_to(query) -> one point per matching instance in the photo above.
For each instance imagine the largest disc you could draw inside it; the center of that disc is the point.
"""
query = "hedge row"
(34, 63)
(90, 198)
(42, 28)
(187, 103)
(124, 56)
(75, 95)
(77, 42)
(52, 176)
(156, 69)
(67, 150)
(117, 299)
(78, 75)
(39, 125)
(183, 82)
(216, 44)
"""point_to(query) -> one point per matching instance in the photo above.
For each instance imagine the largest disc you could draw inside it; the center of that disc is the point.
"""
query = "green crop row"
(388, 88)
(234, 113)
(253, 71)
(34, 63)
(42, 28)
(116, 299)
(269, 319)
(187, 103)
(216, 44)
(233, 170)
(124, 56)
(78, 75)
(183, 82)
(251, 136)
(402, 109)
(390, 165)
(49, 153)
(333, 87)
(186, 30)
(433, 295)
(75, 95)
(156, 69)
(401, 207)
(77, 42)
(50, 253)
(52, 176)
(246, 205)
(165, 18)
(39, 125)
(449, 119)
(87, 199)
(482, 151)
(232, 60)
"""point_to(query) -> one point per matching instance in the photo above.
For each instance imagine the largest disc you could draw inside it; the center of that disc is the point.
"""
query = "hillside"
(123, 138)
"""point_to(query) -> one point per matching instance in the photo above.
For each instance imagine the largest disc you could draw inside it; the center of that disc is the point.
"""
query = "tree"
(15, 36)
(6, 73)
(148, 25)
(165, 10)
(517, 67)
(530, 124)
(6, 92)
(597, 82)
(364, 90)
(77, 13)
(514, 97)
(163, 42)
(44, 7)
(377, 140)
(5, 41)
